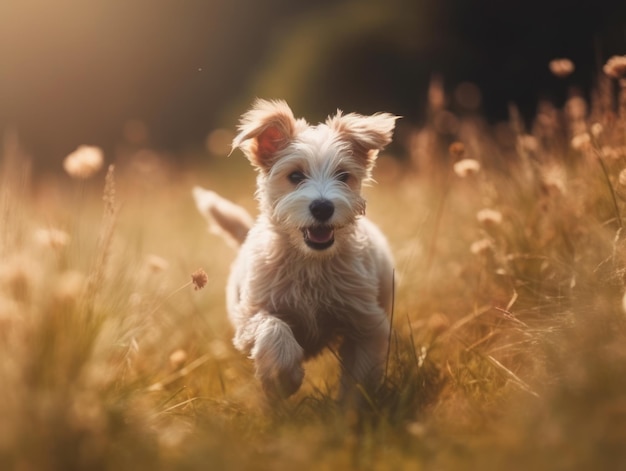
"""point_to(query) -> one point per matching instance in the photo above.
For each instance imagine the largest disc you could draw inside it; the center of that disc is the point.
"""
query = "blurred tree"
(74, 72)
(372, 55)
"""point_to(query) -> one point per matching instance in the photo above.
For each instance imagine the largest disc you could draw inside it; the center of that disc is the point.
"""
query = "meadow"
(508, 348)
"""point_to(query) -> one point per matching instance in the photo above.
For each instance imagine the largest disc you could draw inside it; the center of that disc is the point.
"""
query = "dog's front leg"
(277, 355)
(363, 356)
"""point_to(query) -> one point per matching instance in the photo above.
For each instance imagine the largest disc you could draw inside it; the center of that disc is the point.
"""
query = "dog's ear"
(366, 134)
(265, 129)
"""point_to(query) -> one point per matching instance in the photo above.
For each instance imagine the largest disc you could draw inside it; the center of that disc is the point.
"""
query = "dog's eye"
(343, 177)
(296, 177)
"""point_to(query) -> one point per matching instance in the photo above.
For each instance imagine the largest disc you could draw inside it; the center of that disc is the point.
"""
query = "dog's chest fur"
(311, 303)
(320, 299)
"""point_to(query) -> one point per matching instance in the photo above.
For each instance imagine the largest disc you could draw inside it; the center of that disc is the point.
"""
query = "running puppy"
(311, 270)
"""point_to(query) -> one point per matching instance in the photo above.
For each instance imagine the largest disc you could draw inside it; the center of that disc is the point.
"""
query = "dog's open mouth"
(319, 237)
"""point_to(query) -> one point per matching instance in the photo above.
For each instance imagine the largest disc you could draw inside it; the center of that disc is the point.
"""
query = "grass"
(509, 331)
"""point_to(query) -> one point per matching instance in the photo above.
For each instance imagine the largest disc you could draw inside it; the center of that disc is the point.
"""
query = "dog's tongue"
(319, 235)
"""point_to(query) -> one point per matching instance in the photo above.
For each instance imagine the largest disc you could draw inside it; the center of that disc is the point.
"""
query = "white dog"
(311, 270)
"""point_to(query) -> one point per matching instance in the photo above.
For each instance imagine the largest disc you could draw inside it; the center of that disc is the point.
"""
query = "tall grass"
(509, 339)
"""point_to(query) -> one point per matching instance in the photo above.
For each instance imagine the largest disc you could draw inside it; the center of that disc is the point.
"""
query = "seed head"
(615, 67)
(178, 358)
(466, 167)
(108, 196)
(481, 246)
(554, 179)
(596, 130)
(489, 217)
(199, 279)
(456, 149)
(561, 67)
(84, 162)
(622, 178)
(581, 141)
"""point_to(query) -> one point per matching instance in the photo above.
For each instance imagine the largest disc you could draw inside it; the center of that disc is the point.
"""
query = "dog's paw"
(282, 383)
(277, 355)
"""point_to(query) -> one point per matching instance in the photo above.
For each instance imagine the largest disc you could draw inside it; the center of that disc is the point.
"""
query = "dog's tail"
(224, 217)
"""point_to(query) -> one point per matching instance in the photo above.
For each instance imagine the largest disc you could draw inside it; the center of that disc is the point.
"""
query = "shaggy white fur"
(311, 270)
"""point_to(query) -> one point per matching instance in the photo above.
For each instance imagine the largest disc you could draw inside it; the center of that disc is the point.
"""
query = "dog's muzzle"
(322, 236)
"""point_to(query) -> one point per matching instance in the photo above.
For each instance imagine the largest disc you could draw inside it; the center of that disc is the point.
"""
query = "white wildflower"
(561, 67)
(481, 246)
(581, 141)
(84, 162)
(466, 167)
(489, 216)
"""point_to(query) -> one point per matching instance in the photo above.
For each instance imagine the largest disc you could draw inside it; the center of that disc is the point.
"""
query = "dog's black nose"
(322, 210)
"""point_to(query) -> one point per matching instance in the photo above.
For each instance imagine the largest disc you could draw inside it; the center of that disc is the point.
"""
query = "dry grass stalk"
(14, 188)
(105, 238)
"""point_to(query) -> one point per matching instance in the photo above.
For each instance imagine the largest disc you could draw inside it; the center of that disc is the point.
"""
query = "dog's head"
(310, 177)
